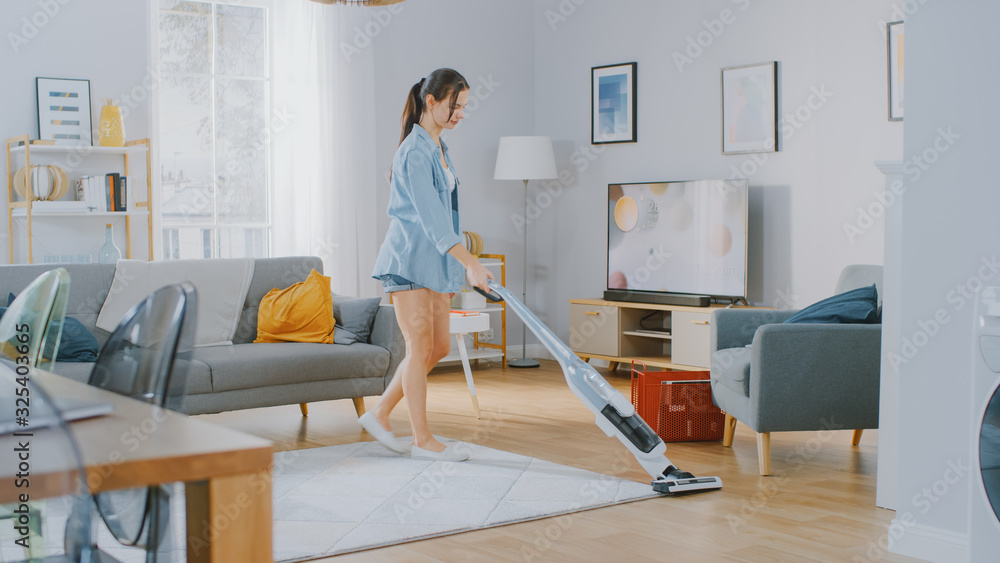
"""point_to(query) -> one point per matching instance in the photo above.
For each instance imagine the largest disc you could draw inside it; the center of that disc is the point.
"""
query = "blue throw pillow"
(354, 318)
(855, 306)
(76, 344)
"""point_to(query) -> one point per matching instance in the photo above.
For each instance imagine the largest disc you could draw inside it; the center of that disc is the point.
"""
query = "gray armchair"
(777, 377)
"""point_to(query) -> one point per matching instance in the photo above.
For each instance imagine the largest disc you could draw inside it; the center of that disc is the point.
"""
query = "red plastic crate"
(677, 412)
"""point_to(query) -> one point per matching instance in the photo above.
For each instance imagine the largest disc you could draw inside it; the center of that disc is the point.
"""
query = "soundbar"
(658, 298)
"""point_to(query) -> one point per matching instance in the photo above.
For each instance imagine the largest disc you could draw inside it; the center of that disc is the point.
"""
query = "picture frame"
(750, 108)
(64, 114)
(894, 54)
(613, 104)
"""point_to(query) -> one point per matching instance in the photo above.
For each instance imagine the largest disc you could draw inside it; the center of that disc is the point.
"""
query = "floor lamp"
(525, 158)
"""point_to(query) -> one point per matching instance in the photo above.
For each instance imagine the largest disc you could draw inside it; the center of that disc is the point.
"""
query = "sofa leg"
(764, 452)
(856, 439)
(359, 405)
(304, 407)
(728, 431)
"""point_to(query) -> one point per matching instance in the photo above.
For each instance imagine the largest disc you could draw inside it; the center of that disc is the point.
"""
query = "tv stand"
(664, 336)
(683, 299)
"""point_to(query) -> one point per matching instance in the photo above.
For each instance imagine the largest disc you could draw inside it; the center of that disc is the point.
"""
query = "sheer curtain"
(323, 143)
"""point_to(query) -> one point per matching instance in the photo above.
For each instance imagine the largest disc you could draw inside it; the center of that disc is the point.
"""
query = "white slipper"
(384, 437)
(450, 453)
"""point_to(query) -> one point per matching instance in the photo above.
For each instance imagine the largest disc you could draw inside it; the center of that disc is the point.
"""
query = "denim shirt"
(424, 217)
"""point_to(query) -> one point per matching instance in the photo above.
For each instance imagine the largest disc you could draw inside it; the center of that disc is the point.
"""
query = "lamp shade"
(525, 158)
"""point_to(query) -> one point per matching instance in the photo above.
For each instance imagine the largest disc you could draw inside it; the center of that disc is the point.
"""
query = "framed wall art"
(613, 94)
(750, 108)
(894, 34)
(64, 111)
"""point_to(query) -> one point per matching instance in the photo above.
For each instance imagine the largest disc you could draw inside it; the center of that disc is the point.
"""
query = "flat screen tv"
(682, 239)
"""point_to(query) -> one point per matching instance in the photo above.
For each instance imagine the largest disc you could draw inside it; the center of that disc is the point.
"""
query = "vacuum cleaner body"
(614, 414)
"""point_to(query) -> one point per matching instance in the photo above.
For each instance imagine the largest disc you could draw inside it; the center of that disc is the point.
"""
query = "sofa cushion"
(248, 366)
(354, 317)
(268, 274)
(199, 376)
(302, 312)
(731, 368)
(855, 306)
(76, 344)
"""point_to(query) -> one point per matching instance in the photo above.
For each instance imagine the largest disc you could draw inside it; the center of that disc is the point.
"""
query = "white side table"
(460, 325)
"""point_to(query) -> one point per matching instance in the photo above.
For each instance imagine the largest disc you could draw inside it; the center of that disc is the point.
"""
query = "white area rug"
(339, 499)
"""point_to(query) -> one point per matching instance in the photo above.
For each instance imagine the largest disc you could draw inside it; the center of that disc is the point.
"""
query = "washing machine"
(984, 482)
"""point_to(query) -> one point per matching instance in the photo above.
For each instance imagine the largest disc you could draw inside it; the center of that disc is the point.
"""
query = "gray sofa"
(246, 375)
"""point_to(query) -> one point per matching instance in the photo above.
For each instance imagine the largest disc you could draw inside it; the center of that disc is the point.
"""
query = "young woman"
(422, 261)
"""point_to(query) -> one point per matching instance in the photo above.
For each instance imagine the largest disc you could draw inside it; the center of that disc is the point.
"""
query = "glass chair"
(30, 331)
(40, 309)
(147, 358)
(56, 471)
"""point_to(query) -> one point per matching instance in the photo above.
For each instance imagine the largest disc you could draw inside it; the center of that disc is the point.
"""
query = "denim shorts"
(392, 282)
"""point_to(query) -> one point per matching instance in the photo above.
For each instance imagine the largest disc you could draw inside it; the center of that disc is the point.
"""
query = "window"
(214, 111)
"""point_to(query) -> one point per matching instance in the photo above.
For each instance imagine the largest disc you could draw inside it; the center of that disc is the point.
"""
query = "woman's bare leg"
(423, 317)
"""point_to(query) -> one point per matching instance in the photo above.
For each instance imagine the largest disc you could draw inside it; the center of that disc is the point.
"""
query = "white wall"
(949, 228)
(70, 39)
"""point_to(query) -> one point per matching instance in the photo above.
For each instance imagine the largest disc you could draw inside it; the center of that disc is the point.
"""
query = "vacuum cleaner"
(615, 414)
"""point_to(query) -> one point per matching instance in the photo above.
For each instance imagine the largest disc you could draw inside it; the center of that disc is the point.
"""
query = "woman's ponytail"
(413, 109)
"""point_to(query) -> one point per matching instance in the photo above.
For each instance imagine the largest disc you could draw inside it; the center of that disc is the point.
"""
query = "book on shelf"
(122, 194)
(112, 182)
(93, 193)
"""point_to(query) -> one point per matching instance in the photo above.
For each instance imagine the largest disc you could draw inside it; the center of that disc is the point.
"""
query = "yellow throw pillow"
(302, 312)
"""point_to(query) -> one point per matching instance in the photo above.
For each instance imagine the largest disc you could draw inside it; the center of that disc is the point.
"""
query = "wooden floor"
(819, 505)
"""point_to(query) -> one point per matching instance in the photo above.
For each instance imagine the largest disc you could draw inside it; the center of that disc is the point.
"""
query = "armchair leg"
(304, 407)
(728, 430)
(856, 439)
(764, 452)
(359, 405)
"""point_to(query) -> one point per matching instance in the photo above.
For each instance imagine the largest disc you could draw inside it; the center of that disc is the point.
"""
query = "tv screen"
(678, 237)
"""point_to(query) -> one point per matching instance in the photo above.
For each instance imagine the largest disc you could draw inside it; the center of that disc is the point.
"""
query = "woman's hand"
(475, 273)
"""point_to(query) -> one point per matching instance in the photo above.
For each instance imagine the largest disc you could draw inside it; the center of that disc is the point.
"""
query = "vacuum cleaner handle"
(492, 296)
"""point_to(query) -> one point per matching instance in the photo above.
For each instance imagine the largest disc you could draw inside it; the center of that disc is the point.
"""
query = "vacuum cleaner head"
(674, 481)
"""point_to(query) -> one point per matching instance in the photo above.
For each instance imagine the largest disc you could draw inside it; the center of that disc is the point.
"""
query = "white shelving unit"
(21, 152)
(489, 350)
